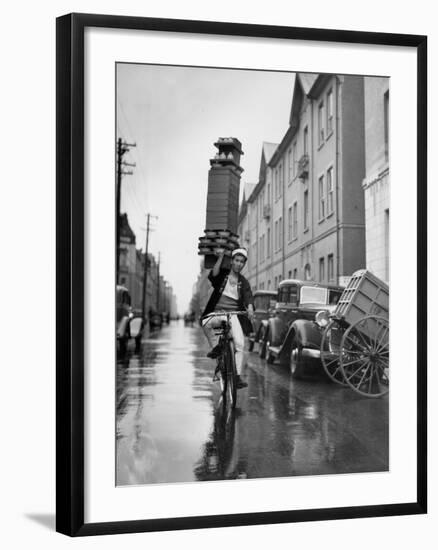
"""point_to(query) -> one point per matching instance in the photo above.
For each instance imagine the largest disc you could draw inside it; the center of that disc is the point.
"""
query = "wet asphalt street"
(173, 427)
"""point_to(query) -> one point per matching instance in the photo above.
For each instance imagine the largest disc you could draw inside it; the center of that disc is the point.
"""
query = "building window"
(289, 223)
(269, 194)
(330, 266)
(306, 141)
(330, 191)
(329, 112)
(321, 123)
(276, 184)
(306, 210)
(307, 272)
(280, 180)
(280, 233)
(269, 284)
(321, 270)
(275, 282)
(321, 211)
(290, 165)
(295, 274)
(386, 123)
(294, 159)
(295, 220)
(268, 244)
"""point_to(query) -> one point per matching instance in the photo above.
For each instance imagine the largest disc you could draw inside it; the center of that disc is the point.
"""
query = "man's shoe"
(240, 383)
(215, 352)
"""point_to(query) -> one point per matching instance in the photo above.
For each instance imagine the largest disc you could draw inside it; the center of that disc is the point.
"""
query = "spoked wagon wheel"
(331, 351)
(365, 356)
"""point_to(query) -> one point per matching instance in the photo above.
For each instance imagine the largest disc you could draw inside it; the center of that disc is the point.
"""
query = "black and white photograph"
(253, 256)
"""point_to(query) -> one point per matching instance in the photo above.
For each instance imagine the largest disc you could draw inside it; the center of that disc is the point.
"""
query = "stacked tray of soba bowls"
(222, 203)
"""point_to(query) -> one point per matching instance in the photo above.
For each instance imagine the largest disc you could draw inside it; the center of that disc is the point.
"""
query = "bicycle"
(226, 363)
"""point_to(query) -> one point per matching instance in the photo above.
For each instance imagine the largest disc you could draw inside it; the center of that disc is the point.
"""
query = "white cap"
(241, 251)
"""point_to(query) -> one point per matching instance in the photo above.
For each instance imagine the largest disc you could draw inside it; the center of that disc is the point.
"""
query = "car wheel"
(123, 344)
(138, 344)
(268, 355)
(262, 345)
(296, 359)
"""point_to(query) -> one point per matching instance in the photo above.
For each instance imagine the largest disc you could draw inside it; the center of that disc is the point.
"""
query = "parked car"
(155, 319)
(129, 326)
(264, 302)
(292, 325)
(189, 318)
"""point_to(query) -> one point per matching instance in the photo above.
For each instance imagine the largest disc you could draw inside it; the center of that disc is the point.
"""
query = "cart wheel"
(331, 351)
(365, 356)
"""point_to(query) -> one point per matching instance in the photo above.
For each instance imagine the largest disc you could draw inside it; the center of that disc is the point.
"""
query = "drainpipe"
(311, 188)
(257, 241)
(337, 163)
(283, 222)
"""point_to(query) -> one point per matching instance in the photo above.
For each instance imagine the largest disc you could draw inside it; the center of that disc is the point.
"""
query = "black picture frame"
(70, 272)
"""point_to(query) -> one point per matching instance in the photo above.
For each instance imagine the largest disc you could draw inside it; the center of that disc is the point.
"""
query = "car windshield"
(334, 296)
(262, 302)
(313, 295)
(288, 294)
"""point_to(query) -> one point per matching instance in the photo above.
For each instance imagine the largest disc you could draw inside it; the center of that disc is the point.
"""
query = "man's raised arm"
(217, 265)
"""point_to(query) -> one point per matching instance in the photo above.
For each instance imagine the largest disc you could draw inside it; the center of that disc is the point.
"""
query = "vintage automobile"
(292, 326)
(128, 325)
(264, 302)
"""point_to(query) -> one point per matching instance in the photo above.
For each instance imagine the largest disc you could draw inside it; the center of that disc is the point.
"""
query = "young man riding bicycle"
(231, 292)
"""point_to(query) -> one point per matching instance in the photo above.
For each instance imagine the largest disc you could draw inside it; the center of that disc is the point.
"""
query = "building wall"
(332, 246)
(377, 178)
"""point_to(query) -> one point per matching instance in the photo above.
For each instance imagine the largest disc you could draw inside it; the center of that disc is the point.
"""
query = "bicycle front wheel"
(230, 369)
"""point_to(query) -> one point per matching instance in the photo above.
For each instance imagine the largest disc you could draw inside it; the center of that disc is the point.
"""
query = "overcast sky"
(174, 115)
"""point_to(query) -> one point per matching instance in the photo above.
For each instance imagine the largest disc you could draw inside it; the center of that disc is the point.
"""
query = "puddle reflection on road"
(173, 427)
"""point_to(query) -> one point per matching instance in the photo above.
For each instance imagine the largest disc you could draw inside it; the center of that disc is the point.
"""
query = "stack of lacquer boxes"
(222, 202)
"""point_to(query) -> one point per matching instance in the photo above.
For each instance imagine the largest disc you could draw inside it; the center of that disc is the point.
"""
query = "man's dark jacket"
(243, 290)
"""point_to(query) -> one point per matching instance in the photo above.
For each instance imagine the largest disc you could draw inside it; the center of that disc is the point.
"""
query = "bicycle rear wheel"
(223, 377)
(231, 373)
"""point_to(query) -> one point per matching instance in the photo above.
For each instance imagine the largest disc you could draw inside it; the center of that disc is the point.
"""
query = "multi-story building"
(159, 294)
(376, 182)
(306, 214)
(127, 252)
(255, 224)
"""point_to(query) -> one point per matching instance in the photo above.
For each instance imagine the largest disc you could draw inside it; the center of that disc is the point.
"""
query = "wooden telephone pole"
(145, 271)
(122, 148)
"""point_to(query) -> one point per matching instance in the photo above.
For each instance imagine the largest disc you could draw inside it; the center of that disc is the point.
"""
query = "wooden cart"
(355, 343)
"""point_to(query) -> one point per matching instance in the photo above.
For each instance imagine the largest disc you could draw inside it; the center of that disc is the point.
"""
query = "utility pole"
(158, 282)
(145, 272)
(122, 148)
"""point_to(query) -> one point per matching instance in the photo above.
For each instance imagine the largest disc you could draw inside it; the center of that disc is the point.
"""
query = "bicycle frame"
(226, 360)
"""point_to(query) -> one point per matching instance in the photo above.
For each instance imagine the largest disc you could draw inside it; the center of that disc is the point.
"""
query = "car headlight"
(322, 318)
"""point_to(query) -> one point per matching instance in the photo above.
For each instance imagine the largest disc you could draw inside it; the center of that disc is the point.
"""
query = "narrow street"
(173, 427)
